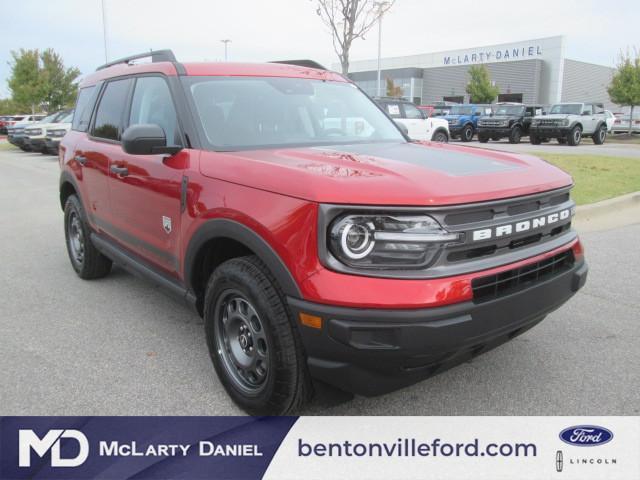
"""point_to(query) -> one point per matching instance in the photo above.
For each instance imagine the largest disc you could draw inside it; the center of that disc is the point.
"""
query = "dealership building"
(532, 71)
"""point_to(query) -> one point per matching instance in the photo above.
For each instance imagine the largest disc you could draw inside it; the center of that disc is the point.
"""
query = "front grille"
(517, 279)
(491, 123)
(548, 122)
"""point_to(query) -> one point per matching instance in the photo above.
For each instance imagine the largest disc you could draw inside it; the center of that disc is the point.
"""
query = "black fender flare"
(443, 130)
(67, 177)
(224, 228)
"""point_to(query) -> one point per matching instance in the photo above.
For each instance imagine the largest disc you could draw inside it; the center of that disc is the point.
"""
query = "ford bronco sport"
(510, 120)
(569, 122)
(311, 248)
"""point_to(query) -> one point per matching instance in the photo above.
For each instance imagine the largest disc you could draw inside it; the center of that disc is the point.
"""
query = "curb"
(611, 213)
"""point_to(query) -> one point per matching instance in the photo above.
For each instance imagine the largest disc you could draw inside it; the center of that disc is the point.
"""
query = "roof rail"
(156, 56)
(301, 63)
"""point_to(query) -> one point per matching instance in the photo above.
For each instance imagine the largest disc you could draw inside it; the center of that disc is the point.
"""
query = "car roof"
(213, 69)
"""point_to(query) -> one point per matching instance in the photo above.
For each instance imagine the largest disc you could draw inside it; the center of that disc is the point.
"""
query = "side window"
(108, 123)
(152, 103)
(411, 111)
(587, 108)
(84, 107)
(393, 109)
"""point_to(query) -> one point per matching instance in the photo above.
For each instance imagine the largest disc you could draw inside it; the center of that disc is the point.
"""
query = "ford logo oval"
(586, 435)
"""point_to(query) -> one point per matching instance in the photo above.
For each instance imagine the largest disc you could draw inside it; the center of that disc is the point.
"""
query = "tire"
(85, 258)
(575, 136)
(495, 139)
(467, 133)
(561, 140)
(515, 135)
(483, 138)
(600, 135)
(440, 137)
(243, 299)
(534, 139)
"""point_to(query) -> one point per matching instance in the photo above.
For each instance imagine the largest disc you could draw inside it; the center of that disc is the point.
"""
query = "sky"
(262, 30)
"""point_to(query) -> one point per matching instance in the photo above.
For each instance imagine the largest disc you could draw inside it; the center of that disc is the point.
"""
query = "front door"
(145, 190)
(416, 123)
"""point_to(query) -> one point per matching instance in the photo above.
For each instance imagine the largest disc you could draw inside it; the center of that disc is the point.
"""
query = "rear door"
(145, 190)
(94, 151)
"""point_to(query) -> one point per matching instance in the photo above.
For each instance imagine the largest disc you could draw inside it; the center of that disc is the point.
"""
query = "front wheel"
(516, 135)
(600, 135)
(467, 133)
(534, 139)
(482, 138)
(440, 137)
(253, 343)
(575, 136)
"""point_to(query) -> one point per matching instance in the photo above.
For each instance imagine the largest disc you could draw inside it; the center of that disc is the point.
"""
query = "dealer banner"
(320, 448)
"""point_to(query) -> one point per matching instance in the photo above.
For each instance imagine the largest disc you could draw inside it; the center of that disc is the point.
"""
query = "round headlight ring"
(361, 249)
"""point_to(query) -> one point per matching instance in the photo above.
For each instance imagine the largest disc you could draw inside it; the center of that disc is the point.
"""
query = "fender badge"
(166, 224)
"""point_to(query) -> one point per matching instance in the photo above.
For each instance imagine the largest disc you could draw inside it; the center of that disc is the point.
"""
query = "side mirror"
(146, 139)
(403, 128)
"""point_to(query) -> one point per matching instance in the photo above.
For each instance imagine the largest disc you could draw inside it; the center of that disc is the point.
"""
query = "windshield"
(49, 119)
(460, 110)
(567, 108)
(67, 118)
(508, 110)
(251, 112)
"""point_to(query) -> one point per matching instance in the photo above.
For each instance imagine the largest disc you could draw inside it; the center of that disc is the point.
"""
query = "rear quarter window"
(84, 107)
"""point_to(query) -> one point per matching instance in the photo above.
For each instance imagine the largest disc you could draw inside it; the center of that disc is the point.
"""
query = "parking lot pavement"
(585, 148)
(119, 346)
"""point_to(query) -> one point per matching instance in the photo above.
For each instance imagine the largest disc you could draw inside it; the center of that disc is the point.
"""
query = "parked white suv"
(419, 126)
(569, 122)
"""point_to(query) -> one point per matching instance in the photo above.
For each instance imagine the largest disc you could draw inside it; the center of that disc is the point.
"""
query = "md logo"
(28, 440)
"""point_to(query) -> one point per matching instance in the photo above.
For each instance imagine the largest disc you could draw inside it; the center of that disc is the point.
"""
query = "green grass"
(7, 146)
(598, 177)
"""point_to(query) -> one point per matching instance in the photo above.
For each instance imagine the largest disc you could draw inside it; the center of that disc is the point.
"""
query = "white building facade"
(531, 71)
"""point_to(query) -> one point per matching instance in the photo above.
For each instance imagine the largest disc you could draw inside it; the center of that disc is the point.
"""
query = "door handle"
(81, 159)
(121, 171)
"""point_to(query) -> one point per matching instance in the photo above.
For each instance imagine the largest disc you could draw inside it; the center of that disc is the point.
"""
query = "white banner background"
(542, 431)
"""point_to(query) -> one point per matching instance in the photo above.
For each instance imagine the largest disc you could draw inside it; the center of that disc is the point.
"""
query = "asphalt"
(119, 346)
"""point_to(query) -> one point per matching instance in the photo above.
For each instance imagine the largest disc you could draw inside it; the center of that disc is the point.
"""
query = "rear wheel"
(516, 135)
(600, 135)
(467, 133)
(575, 136)
(253, 342)
(85, 258)
(440, 136)
(483, 138)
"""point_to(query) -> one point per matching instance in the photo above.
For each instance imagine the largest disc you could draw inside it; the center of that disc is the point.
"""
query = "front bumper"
(494, 131)
(36, 144)
(375, 351)
(51, 144)
(550, 132)
(455, 129)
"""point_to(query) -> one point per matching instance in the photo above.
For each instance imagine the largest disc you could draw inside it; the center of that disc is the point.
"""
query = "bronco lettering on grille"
(522, 226)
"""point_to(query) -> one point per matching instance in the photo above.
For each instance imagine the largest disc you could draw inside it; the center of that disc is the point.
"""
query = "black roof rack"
(156, 56)
(301, 63)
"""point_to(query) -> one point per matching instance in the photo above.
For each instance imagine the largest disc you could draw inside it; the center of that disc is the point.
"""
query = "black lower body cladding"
(372, 352)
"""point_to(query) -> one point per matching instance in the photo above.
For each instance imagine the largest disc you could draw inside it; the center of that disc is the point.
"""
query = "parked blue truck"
(463, 120)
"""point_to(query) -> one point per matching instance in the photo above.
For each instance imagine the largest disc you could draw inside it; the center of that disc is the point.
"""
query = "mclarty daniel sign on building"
(493, 55)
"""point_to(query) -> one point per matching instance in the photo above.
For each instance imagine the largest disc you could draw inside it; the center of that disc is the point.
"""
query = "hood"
(554, 116)
(452, 117)
(387, 174)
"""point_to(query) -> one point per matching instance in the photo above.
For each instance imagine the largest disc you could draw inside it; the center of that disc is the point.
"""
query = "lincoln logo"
(523, 226)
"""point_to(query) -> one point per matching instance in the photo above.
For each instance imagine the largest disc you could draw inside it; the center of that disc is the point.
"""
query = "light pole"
(380, 6)
(226, 42)
(104, 33)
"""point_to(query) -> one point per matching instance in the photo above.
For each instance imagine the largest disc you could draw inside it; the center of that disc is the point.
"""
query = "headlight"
(535, 122)
(504, 123)
(387, 241)
(565, 122)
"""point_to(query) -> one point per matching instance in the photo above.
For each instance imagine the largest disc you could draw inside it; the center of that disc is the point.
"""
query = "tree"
(349, 20)
(25, 81)
(624, 88)
(8, 107)
(59, 88)
(40, 80)
(393, 90)
(479, 88)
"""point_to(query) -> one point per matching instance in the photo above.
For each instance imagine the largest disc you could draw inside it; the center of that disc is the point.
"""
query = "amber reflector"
(310, 320)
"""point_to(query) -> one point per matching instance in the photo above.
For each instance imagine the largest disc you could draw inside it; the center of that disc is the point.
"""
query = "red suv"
(313, 237)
